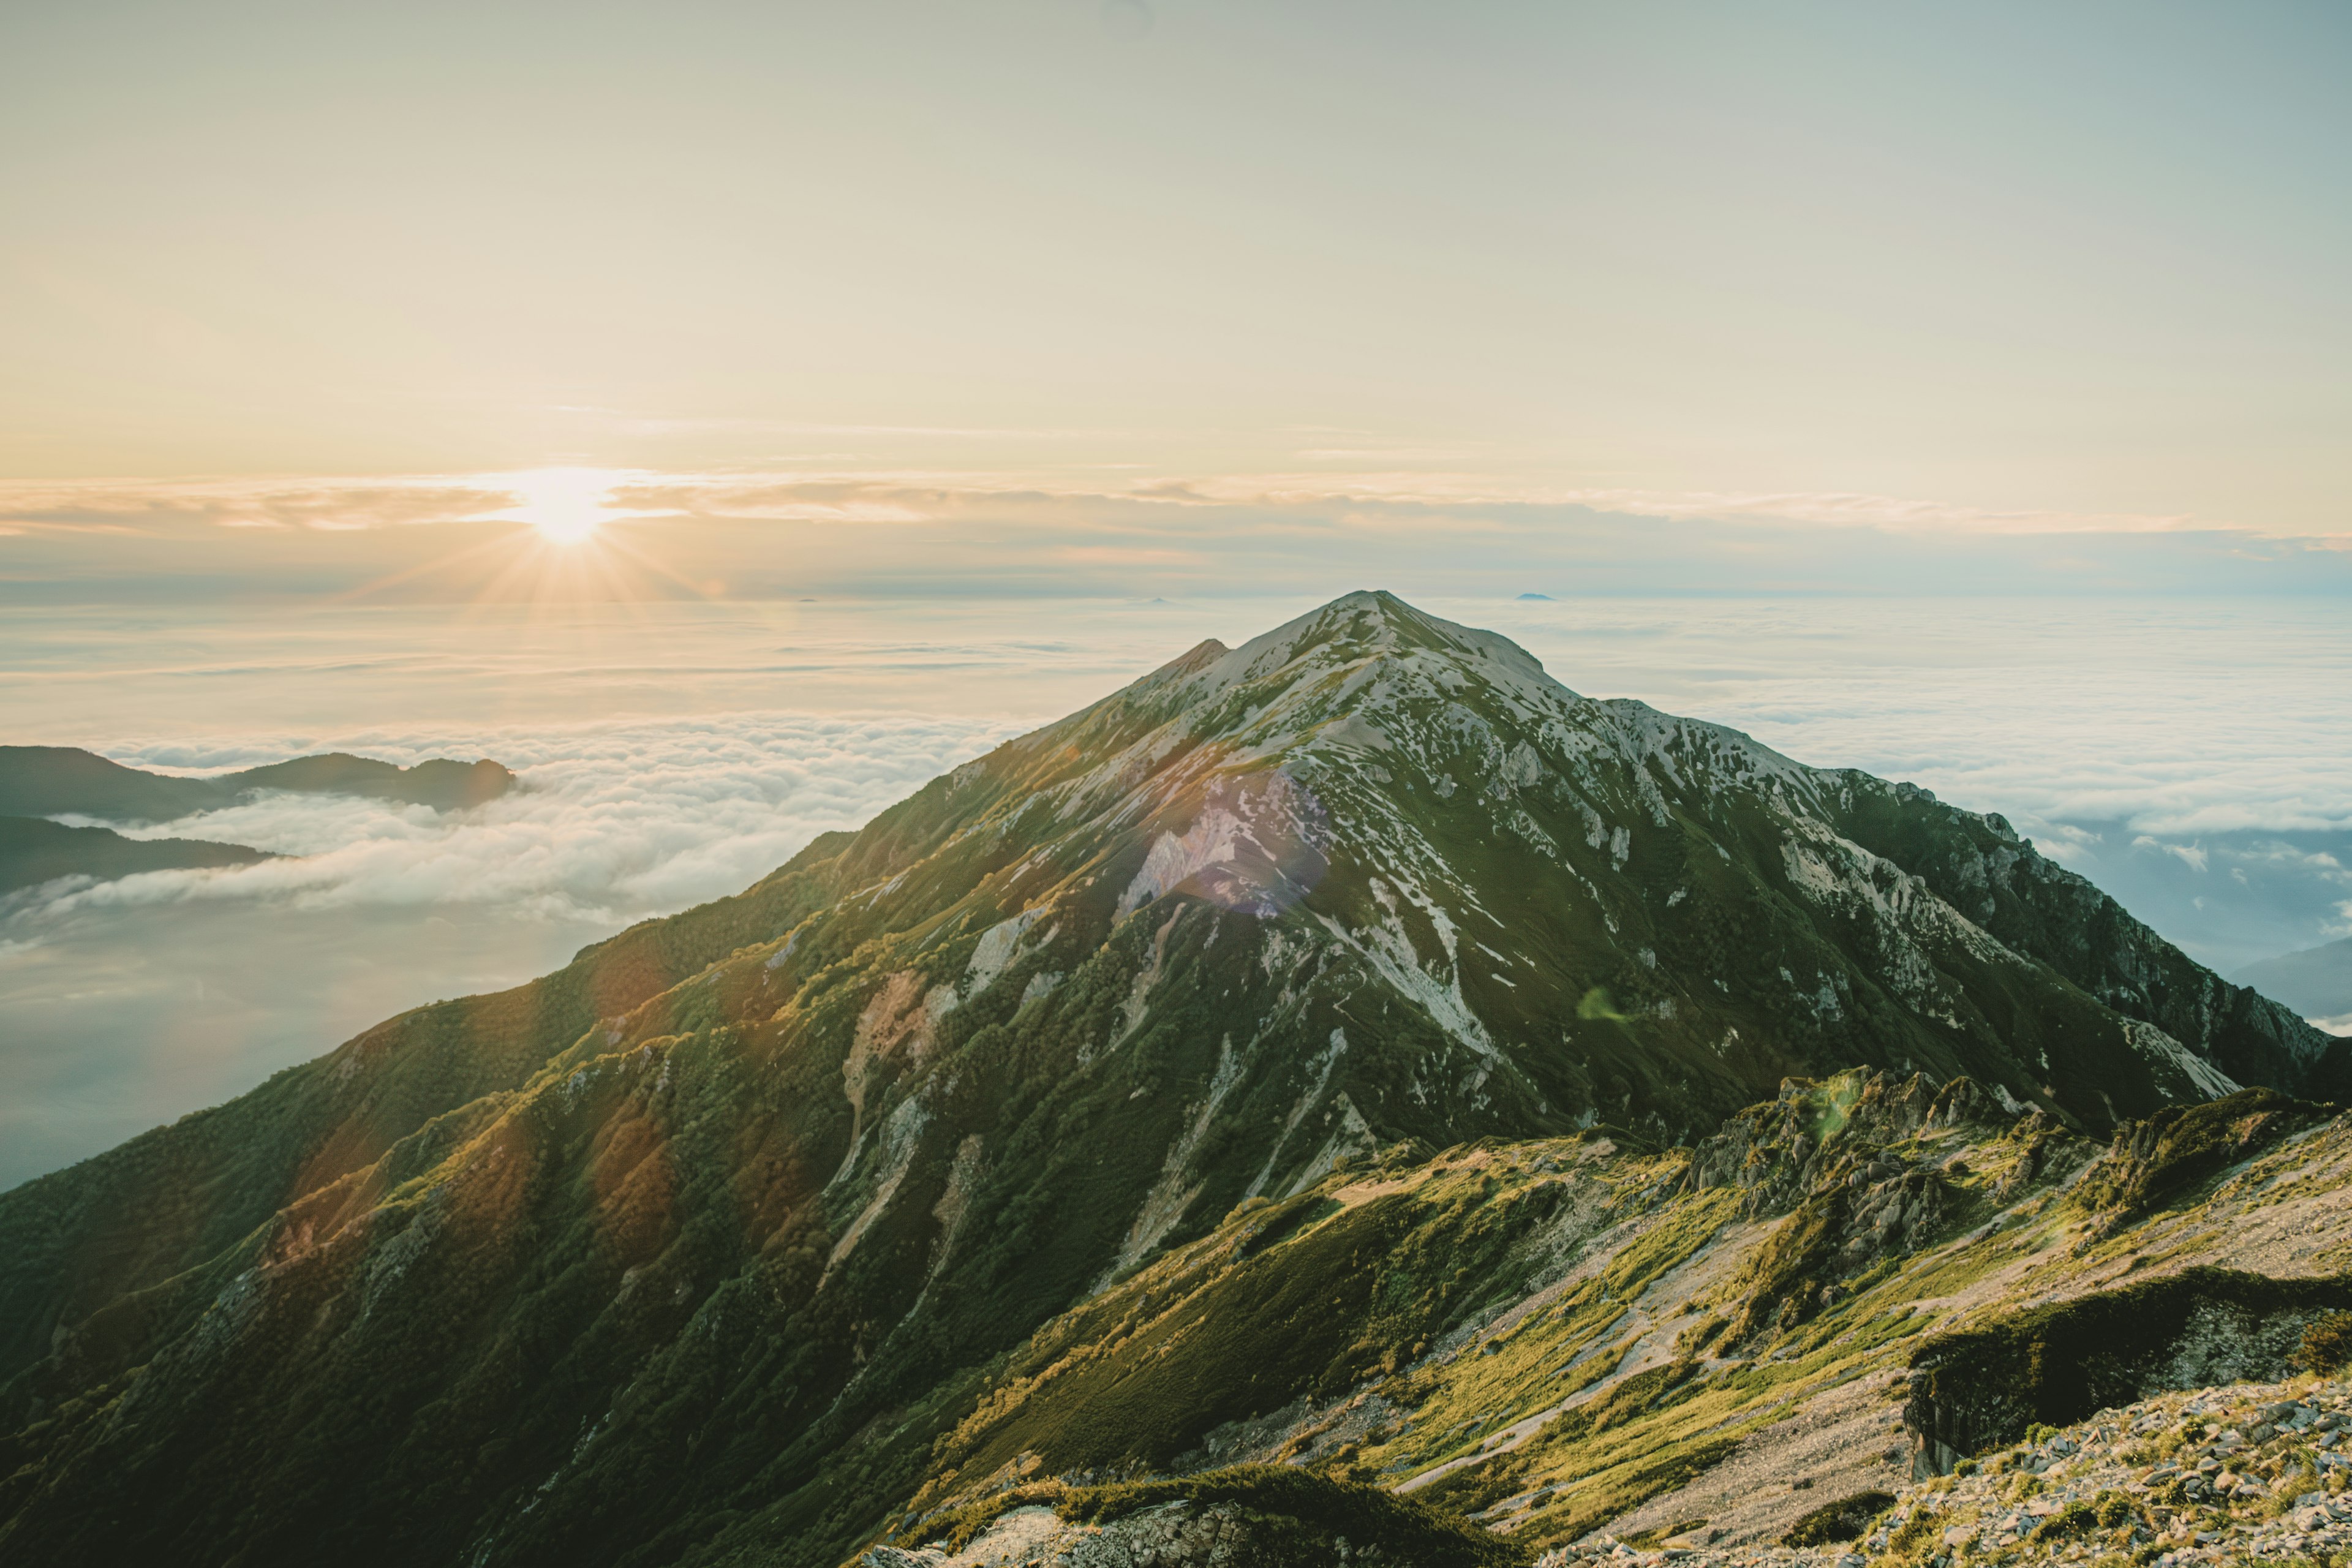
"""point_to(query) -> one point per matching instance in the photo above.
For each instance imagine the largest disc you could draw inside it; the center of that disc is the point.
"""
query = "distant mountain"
(714, 1246)
(439, 782)
(57, 781)
(2316, 982)
(34, 850)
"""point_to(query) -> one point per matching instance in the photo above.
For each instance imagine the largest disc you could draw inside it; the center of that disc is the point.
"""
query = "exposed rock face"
(2205, 1326)
(723, 1226)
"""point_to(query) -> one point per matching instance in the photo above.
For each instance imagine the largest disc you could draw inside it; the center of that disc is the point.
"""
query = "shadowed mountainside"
(33, 851)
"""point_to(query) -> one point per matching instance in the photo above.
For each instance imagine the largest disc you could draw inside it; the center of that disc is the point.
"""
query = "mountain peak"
(1367, 648)
(1375, 619)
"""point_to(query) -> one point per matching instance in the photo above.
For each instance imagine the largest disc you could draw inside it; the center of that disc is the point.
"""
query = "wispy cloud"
(327, 504)
(822, 493)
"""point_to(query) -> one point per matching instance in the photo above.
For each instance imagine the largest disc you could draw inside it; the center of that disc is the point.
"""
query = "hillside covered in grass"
(1866, 1281)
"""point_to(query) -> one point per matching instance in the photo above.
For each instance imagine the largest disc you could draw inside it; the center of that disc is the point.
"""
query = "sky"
(733, 414)
(2047, 266)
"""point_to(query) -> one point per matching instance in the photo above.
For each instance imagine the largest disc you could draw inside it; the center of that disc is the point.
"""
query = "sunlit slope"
(691, 1252)
(1863, 1279)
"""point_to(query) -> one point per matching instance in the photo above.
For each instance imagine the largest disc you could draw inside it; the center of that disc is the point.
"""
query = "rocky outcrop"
(1975, 1390)
(1828, 1153)
(2158, 1161)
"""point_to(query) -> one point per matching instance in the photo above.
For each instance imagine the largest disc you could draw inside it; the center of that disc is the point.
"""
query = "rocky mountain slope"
(703, 1249)
(2234, 1474)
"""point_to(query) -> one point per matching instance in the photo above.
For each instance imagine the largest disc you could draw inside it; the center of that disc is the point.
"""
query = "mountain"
(34, 850)
(2315, 982)
(707, 1247)
(58, 780)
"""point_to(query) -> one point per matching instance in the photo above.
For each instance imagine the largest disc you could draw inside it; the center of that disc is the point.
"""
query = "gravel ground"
(2248, 1473)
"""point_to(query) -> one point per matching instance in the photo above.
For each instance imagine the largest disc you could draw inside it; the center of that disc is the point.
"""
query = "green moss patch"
(2158, 1162)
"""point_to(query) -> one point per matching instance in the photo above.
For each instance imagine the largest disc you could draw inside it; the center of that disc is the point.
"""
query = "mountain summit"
(686, 1252)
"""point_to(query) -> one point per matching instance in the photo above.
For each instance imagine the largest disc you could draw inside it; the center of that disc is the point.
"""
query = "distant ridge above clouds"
(34, 851)
(59, 781)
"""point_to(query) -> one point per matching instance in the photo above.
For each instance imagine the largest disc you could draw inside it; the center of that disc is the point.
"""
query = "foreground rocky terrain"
(2223, 1475)
(1988, 1385)
(2250, 1472)
(1353, 1051)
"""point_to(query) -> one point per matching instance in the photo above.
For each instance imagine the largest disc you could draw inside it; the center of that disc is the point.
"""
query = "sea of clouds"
(133, 1001)
(609, 823)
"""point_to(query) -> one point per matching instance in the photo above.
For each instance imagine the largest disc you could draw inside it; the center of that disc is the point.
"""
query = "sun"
(566, 505)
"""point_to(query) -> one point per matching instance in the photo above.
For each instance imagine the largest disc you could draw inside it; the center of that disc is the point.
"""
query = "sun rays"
(564, 551)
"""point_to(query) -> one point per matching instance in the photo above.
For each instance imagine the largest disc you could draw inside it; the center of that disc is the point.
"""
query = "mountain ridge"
(34, 850)
(57, 781)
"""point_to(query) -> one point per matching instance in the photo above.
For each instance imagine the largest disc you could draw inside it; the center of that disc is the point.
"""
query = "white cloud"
(614, 821)
(2189, 854)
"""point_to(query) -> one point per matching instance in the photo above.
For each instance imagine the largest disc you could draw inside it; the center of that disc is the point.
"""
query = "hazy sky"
(2043, 264)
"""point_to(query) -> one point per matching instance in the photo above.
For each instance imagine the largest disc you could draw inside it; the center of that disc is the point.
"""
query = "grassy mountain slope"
(1564, 1336)
(692, 1252)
